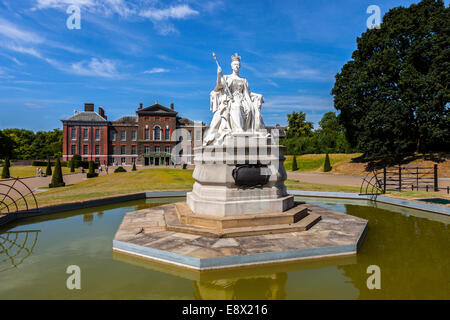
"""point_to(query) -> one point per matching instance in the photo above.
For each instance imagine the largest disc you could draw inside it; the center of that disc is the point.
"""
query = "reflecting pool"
(410, 247)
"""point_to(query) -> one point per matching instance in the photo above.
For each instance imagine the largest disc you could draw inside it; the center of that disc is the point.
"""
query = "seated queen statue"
(236, 109)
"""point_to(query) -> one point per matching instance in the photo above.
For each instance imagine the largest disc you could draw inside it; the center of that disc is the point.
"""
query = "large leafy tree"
(393, 96)
(298, 126)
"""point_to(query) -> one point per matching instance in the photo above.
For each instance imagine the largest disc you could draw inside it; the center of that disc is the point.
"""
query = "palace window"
(167, 149)
(97, 149)
(133, 135)
(146, 149)
(112, 135)
(74, 134)
(85, 134)
(97, 134)
(123, 135)
(133, 150)
(167, 134)
(146, 134)
(157, 133)
(113, 149)
(97, 160)
(198, 135)
(122, 150)
(157, 149)
(123, 161)
(85, 149)
(73, 149)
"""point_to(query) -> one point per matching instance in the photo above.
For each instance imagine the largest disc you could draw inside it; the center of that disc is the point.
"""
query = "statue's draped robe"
(242, 113)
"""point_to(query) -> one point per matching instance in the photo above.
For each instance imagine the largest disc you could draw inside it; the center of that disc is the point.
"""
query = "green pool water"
(410, 247)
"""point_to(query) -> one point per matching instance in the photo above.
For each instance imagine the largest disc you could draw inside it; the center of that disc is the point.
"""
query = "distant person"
(106, 169)
(100, 169)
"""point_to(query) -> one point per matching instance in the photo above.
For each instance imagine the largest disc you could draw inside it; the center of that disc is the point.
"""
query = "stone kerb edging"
(166, 194)
(393, 201)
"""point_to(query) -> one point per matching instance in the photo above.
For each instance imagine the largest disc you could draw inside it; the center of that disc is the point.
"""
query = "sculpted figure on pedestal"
(236, 109)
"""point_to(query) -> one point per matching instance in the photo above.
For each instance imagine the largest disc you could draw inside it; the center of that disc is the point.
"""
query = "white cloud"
(95, 67)
(301, 102)
(21, 49)
(15, 33)
(174, 12)
(33, 106)
(156, 70)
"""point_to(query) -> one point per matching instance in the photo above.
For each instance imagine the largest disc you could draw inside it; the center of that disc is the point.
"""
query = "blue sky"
(128, 52)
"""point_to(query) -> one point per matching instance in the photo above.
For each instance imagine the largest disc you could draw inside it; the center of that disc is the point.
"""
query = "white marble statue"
(236, 109)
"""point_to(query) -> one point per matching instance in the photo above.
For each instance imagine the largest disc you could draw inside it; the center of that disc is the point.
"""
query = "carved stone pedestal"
(245, 176)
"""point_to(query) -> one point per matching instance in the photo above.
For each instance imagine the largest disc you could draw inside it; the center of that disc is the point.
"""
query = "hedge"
(120, 169)
(41, 163)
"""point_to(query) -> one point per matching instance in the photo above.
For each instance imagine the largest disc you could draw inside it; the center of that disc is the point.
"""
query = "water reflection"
(412, 253)
(15, 247)
(263, 282)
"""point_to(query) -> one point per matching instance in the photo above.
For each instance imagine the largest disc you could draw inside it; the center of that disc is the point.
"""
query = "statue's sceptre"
(227, 90)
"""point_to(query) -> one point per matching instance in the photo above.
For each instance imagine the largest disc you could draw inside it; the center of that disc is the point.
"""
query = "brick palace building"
(147, 138)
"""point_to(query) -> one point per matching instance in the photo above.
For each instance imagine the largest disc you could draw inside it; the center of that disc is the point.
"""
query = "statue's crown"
(236, 58)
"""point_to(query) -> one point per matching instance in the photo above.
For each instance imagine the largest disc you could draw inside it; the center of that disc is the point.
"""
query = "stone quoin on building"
(148, 138)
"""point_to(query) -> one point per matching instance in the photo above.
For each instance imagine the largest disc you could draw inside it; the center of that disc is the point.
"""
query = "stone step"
(186, 216)
(306, 222)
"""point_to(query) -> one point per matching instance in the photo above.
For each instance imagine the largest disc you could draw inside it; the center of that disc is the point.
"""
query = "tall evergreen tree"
(5, 169)
(72, 165)
(294, 164)
(57, 178)
(393, 96)
(48, 171)
(326, 164)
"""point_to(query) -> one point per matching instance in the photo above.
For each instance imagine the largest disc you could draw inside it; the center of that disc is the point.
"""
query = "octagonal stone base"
(144, 234)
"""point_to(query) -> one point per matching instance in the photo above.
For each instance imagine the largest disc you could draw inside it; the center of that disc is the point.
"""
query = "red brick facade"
(146, 139)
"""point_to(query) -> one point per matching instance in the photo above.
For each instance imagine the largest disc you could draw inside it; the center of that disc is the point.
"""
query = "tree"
(294, 164)
(6, 146)
(72, 166)
(134, 167)
(393, 95)
(298, 126)
(5, 170)
(326, 164)
(48, 171)
(57, 178)
(91, 173)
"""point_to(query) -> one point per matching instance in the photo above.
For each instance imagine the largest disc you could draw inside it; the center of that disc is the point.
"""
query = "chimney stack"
(171, 106)
(101, 112)
(140, 106)
(89, 107)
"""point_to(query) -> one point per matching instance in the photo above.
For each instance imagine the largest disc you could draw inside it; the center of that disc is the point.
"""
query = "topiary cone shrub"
(184, 166)
(134, 167)
(91, 173)
(57, 178)
(294, 164)
(120, 169)
(5, 170)
(48, 171)
(326, 164)
(72, 166)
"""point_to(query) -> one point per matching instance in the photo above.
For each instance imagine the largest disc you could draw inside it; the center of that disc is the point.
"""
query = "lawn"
(30, 171)
(314, 162)
(119, 184)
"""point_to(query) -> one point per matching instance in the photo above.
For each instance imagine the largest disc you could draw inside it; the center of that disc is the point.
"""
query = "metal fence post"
(436, 187)
(384, 180)
(399, 178)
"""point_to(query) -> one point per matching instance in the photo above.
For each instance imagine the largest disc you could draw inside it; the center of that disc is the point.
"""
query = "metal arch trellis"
(372, 185)
(14, 249)
(9, 204)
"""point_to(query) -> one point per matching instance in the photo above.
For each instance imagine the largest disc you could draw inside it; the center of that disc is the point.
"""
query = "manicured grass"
(143, 180)
(119, 184)
(30, 171)
(314, 162)
(291, 184)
